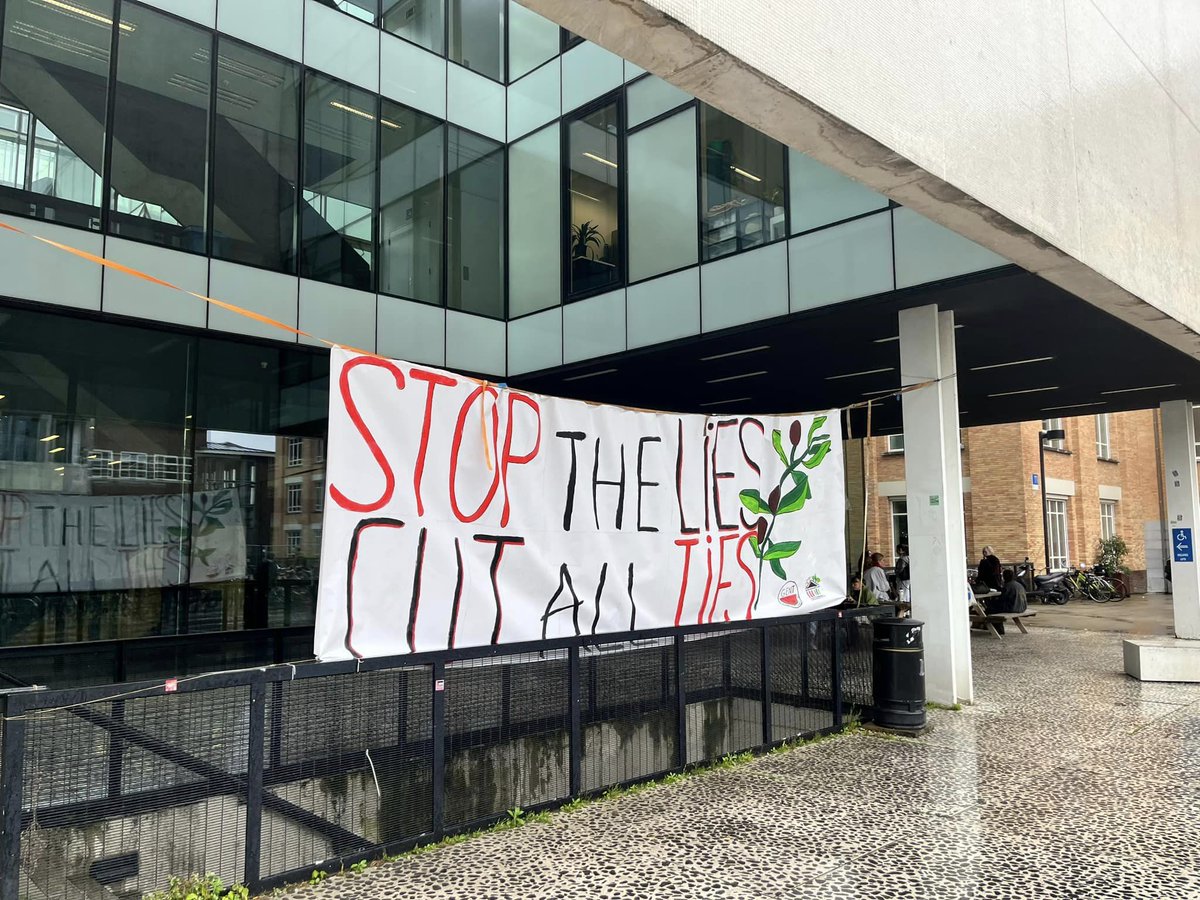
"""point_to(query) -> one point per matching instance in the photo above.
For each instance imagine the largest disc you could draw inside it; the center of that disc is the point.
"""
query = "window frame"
(615, 98)
(1103, 444)
(891, 443)
(1057, 515)
(894, 515)
(1052, 425)
(1108, 519)
(293, 499)
(296, 458)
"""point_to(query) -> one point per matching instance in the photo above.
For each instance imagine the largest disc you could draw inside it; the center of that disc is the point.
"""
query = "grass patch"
(957, 707)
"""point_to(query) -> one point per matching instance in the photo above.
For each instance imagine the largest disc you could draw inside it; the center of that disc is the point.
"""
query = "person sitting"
(1012, 597)
(859, 596)
(989, 571)
(876, 578)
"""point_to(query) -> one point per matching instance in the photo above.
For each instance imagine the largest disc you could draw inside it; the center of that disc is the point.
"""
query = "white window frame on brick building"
(295, 496)
(295, 452)
(898, 510)
(1054, 425)
(1103, 438)
(293, 540)
(1108, 519)
(318, 495)
(895, 443)
(1056, 533)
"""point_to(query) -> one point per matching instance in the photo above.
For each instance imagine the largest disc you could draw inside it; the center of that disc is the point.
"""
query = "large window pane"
(411, 219)
(95, 481)
(366, 10)
(475, 224)
(662, 197)
(535, 214)
(421, 21)
(160, 130)
(744, 202)
(337, 228)
(594, 163)
(256, 161)
(53, 104)
(532, 40)
(477, 36)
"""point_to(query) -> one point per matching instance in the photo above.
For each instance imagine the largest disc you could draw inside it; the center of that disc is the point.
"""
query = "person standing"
(903, 575)
(989, 571)
(876, 579)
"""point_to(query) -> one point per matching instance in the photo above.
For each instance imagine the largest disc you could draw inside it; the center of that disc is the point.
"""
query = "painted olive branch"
(778, 503)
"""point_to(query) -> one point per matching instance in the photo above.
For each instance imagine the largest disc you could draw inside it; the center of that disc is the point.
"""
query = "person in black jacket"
(989, 571)
(1012, 598)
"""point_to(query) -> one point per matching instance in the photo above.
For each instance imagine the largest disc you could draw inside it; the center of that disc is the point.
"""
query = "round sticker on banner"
(789, 594)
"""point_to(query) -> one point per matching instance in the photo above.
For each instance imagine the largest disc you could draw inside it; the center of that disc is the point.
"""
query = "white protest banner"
(462, 514)
(55, 543)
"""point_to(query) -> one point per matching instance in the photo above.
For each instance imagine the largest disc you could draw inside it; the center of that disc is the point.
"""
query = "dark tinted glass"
(475, 224)
(477, 36)
(411, 214)
(257, 158)
(160, 130)
(594, 160)
(744, 189)
(421, 21)
(337, 227)
(54, 69)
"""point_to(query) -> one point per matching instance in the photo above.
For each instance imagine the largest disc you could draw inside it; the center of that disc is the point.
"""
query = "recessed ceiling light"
(737, 377)
(1072, 406)
(61, 469)
(894, 337)
(58, 449)
(727, 402)
(734, 353)
(49, 438)
(1149, 387)
(1028, 391)
(601, 160)
(2, 396)
(590, 375)
(745, 174)
(857, 374)
(1015, 362)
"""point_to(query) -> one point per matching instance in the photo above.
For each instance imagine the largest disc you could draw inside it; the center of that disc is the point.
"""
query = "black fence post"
(254, 781)
(836, 671)
(12, 759)
(680, 702)
(116, 753)
(439, 747)
(575, 748)
(768, 724)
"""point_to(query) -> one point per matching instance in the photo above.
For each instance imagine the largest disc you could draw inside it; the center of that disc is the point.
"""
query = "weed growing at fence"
(200, 887)
(957, 707)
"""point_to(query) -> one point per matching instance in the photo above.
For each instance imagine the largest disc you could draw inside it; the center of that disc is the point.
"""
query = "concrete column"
(934, 544)
(1183, 511)
(957, 535)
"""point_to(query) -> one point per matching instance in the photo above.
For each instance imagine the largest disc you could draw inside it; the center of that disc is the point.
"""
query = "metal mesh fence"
(508, 735)
(723, 687)
(263, 775)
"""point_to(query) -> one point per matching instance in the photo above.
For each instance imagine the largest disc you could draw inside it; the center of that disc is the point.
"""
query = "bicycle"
(1096, 588)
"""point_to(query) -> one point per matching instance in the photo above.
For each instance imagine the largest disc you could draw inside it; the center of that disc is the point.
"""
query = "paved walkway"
(1147, 614)
(1066, 780)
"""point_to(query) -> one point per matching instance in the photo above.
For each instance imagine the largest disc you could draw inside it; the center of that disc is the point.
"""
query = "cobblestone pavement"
(1066, 779)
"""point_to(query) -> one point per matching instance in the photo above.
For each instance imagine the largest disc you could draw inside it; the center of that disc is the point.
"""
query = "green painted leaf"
(754, 545)
(816, 423)
(777, 443)
(777, 568)
(753, 501)
(818, 455)
(782, 550)
(795, 499)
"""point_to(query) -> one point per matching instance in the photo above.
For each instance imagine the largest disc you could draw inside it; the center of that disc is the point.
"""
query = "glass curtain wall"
(594, 200)
(745, 188)
(256, 157)
(662, 196)
(337, 216)
(477, 36)
(475, 224)
(423, 22)
(535, 221)
(412, 220)
(364, 10)
(158, 168)
(532, 40)
(54, 69)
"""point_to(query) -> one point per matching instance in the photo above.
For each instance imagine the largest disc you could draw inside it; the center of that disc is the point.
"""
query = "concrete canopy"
(1062, 136)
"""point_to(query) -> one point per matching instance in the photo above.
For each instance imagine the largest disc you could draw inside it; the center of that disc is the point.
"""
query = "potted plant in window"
(587, 243)
(1110, 562)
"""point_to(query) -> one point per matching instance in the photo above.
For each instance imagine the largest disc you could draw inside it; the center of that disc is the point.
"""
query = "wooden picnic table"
(980, 615)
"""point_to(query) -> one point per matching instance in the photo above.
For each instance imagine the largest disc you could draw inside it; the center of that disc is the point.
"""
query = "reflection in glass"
(54, 69)
(475, 224)
(256, 159)
(744, 203)
(366, 10)
(160, 130)
(594, 159)
(477, 36)
(535, 222)
(411, 220)
(421, 21)
(337, 229)
(532, 40)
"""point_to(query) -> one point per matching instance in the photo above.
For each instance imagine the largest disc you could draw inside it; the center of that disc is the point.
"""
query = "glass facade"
(475, 224)
(594, 160)
(477, 36)
(421, 21)
(411, 216)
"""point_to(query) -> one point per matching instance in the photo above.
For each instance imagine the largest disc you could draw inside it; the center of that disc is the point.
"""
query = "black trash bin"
(899, 674)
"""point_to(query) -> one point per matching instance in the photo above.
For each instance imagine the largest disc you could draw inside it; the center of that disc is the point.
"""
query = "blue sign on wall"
(1181, 545)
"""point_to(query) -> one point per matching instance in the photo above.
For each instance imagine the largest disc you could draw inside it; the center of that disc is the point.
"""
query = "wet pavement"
(1144, 614)
(1066, 779)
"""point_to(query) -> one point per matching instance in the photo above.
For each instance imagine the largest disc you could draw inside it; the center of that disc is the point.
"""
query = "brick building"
(1102, 479)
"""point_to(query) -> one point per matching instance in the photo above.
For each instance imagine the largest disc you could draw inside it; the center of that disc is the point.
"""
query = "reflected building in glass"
(457, 183)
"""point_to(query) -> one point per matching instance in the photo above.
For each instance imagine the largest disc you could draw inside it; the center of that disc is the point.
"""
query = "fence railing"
(261, 776)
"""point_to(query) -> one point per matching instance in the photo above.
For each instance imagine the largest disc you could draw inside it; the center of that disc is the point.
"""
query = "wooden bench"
(980, 617)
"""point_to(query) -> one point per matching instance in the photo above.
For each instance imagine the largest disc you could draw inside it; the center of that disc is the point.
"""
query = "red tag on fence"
(171, 685)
